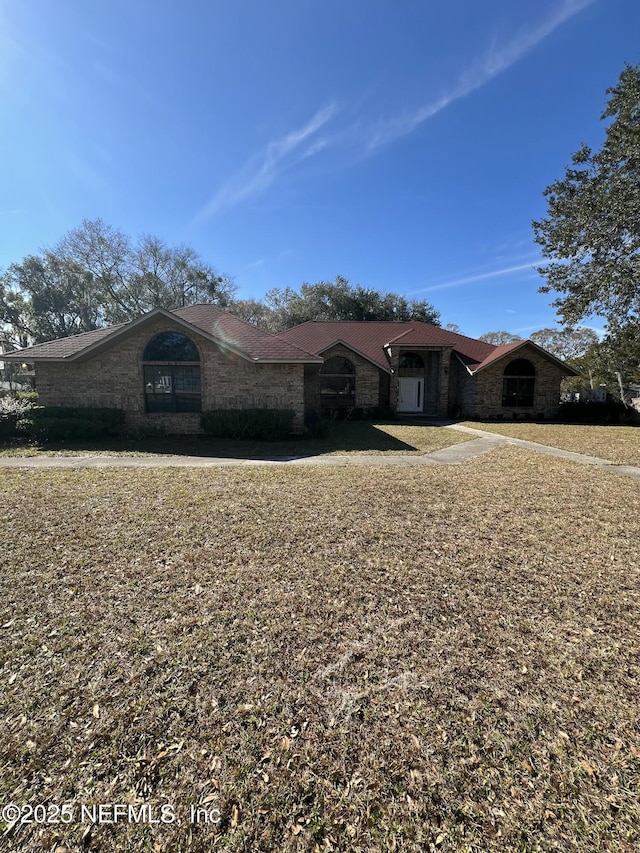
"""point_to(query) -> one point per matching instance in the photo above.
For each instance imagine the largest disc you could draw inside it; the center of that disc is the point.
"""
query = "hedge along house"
(166, 367)
(418, 369)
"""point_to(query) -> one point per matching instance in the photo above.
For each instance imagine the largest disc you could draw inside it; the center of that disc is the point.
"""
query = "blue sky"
(403, 145)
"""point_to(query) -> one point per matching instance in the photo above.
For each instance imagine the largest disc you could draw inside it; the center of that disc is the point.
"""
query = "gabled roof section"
(211, 322)
(377, 363)
(423, 334)
(510, 349)
(370, 337)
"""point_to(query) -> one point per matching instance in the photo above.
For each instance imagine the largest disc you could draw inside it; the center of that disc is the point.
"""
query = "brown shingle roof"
(64, 347)
(252, 342)
(500, 351)
(256, 343)
(370, 337)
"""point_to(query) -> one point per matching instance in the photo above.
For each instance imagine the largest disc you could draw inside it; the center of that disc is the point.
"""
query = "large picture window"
(518, 384)
(337, 382)
(172, 374)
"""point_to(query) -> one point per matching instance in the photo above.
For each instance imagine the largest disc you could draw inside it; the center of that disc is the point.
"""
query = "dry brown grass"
(619, 444)
(337, 659)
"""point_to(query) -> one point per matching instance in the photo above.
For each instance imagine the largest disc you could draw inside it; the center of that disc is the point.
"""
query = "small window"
(337, 382)
(518, 384)
(411, 361)
(172, 386)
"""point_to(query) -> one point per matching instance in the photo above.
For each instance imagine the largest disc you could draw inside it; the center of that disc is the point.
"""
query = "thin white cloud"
(367, 136)
(481, 277)
(535, 328)
(479, 74)
(261, 171)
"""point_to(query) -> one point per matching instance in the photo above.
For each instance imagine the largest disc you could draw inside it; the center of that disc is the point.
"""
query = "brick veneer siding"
(435, 373)
(480, 396)
(370, 385)
(114, 378)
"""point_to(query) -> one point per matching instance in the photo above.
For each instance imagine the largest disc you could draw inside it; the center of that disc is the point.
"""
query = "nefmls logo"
(106, 813)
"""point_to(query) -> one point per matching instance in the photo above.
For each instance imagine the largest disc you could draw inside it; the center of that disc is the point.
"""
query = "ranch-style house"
(167, 367)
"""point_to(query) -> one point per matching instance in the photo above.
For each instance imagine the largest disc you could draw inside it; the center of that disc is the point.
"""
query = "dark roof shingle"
(254, 342)
(239, 335)
(65, 347)
(370, 337)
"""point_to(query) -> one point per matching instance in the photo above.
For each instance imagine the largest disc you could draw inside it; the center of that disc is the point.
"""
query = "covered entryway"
(411, 394)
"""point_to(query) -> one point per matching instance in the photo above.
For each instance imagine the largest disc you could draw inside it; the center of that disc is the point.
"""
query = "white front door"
(411, 394)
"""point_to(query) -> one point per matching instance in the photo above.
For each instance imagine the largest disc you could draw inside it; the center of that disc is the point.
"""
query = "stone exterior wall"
(481, 396)
(114, 378)
(370, 386)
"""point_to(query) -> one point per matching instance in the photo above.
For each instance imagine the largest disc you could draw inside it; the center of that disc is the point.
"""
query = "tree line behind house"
(590, 241)
(97, 276)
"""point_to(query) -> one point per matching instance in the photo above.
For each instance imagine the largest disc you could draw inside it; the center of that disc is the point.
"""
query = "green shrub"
(29, 396)
(613, 412)
(71, 423)
(262, 424)
(8, 425)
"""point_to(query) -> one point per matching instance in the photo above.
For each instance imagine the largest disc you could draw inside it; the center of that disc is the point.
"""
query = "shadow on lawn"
(343, 436)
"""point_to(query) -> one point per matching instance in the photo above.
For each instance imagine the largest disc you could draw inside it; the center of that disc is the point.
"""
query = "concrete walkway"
(581, 458)
(453, 455)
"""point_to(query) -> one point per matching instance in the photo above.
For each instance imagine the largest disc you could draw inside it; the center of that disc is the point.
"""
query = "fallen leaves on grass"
(376, 659)
(618, 444)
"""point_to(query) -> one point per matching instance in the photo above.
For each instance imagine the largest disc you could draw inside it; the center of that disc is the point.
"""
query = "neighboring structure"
(12, 378)
(632, 396)
(416, 368)
(167, 367)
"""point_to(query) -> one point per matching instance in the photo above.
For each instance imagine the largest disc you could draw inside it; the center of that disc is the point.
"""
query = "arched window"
(337, 382)
(518, 384)
(172, 374)
(411, 361)
(170, 346)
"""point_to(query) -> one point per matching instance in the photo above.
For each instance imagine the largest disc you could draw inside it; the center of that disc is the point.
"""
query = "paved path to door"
(453, 455)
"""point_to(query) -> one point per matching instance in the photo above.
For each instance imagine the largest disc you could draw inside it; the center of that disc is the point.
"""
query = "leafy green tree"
(97, 276)
(46, 297)
(340, 300)
(592, 232)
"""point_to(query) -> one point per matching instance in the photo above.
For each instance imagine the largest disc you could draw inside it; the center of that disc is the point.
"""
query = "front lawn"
(619, 444)
(342, 437)
(342, 659)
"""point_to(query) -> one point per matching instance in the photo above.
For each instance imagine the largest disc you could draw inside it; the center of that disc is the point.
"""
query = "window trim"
(335, 398)
(521, 385)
